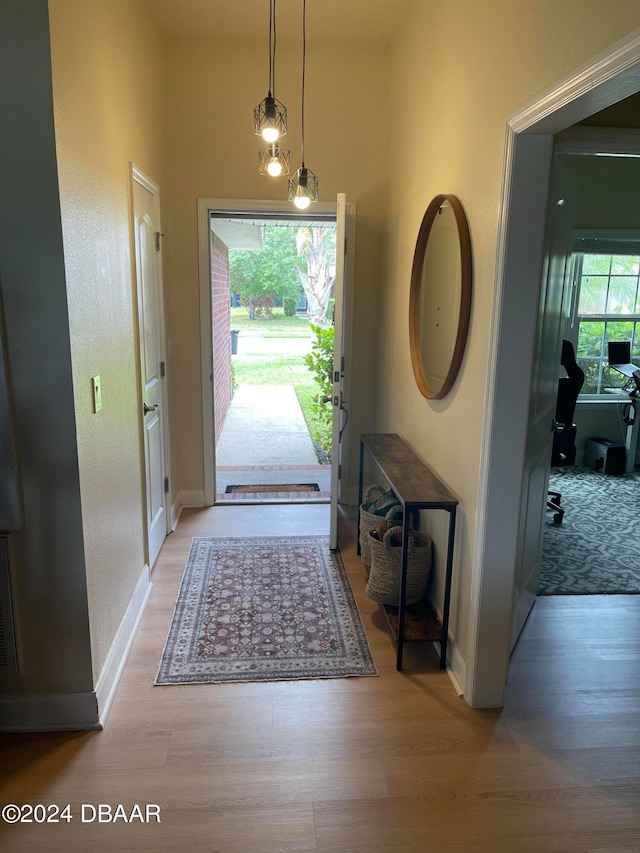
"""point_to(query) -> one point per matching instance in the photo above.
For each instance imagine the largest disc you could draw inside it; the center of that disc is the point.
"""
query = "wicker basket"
(375, 497)
(383, 585)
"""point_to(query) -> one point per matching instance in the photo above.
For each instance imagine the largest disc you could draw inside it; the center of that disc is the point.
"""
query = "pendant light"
(270, 116)
(274, 161)
(303, 186)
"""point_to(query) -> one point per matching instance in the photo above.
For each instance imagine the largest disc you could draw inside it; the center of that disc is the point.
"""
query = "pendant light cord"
(273, 59)
(304, 65)
(271, 45)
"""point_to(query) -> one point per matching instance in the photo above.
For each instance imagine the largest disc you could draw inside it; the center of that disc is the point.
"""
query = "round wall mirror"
(440, 298)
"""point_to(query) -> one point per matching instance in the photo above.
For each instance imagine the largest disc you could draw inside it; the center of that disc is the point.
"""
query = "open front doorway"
(216, 347)
(272, 338)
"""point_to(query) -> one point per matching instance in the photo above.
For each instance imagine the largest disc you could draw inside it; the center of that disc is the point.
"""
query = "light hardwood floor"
(394, 764)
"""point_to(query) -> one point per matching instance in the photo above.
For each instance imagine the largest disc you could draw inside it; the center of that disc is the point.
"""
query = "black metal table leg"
(360, 491)
(403, 589)
(447, 589)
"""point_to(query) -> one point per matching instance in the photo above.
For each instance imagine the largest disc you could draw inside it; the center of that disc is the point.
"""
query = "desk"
(416, 487)
(631, 439)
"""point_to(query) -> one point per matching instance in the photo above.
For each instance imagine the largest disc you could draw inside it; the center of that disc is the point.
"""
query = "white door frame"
(138, 176)
(607, 79)
(250, 206)
(337, 373)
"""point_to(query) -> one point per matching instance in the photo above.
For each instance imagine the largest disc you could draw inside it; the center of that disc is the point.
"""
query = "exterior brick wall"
(221, 326)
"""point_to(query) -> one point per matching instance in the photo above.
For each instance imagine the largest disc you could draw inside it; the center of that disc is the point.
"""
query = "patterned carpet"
(596, 549)
(268, 609)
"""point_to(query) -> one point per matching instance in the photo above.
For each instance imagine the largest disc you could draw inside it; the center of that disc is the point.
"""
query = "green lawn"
(278, 326)
(271, 369)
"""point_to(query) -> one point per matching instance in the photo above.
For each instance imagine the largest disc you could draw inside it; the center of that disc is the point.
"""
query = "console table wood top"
(413, 482)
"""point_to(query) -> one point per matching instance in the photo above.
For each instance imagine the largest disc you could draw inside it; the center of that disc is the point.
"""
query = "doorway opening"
(609, 79)
(343, 213)
(588, 548)
(272, 309)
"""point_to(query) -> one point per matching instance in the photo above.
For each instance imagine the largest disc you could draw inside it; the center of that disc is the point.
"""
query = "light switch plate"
(97, 394)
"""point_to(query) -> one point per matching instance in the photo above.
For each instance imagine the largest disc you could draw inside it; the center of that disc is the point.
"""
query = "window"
(606, 308)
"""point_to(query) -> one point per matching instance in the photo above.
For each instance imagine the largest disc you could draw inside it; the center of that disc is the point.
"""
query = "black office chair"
(564, 437)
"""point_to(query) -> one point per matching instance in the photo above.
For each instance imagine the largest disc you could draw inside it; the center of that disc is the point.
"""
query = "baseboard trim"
(456, 666)
(55, 712)
(194, 497)
(112, 670)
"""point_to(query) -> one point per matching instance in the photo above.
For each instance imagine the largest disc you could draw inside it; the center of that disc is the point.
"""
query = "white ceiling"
(362, 20)
(238, 235)
(248, 233)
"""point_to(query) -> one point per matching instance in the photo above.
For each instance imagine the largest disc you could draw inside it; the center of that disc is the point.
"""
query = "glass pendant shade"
(270, 119)
(303, 188)
(274, 161)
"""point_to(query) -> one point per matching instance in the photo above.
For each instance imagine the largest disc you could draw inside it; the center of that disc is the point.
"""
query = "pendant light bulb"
(270, 134)
(303, 188)
(270, 116)
(270, 119)
(301, 197)
(270, 131)
(274, 161)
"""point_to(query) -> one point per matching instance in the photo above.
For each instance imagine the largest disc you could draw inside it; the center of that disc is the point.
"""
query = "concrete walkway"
(265, 426)
(265, 440)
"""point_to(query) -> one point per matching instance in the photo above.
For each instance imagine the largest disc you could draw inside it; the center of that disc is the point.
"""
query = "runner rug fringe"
(267, 609)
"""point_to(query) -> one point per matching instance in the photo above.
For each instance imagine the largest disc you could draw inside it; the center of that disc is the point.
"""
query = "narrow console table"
(416, 487)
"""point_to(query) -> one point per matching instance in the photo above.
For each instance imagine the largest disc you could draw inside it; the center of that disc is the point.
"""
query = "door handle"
(148, 409)
(335, 401)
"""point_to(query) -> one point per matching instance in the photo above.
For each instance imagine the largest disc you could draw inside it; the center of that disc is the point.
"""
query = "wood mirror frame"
(417, 280)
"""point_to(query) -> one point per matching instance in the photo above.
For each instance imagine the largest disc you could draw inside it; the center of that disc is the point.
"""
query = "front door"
(338, 366)
(544, 388)
(147, 236)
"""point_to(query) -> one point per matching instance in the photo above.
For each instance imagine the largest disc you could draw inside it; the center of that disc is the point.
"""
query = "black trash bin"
(234, 341)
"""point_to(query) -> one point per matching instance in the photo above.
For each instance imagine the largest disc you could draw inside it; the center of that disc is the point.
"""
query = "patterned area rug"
(268, 609)
(596, 549)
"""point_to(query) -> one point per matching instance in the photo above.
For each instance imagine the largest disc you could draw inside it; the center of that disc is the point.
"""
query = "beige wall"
(46, 555)
(107, 95)
(459, 70)
(212, 88)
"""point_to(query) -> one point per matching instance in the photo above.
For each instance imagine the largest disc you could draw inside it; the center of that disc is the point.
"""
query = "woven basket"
(383, 585)
(374, 496)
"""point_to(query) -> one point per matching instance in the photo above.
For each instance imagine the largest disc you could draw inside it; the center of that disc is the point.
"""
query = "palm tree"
(317, 245)
(611, 287)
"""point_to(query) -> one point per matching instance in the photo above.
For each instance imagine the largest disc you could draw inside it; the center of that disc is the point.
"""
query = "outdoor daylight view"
(275, 441)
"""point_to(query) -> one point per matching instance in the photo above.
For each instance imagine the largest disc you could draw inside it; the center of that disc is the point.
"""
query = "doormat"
(264, 609)
(272, 487)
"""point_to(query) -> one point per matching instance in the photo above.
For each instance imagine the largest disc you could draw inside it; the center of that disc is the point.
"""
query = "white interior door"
(338, 365)
(544, 388)
(146, 214)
